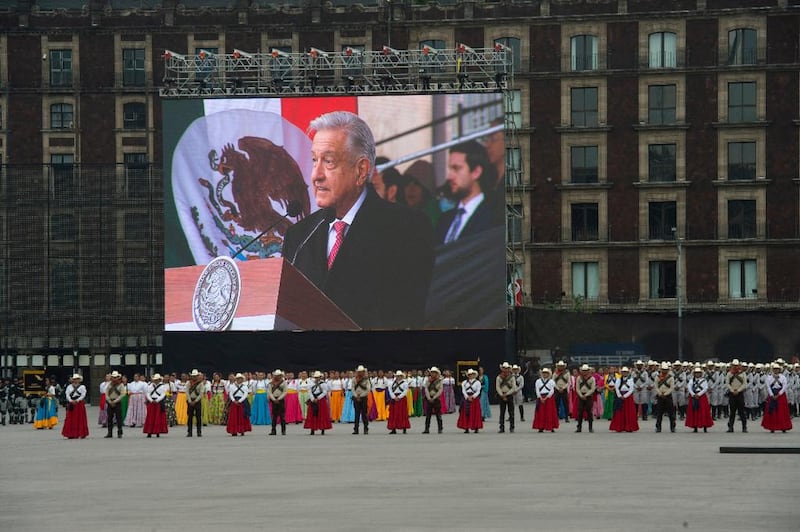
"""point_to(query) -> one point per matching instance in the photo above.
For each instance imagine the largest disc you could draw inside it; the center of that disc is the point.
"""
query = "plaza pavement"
(414, 482)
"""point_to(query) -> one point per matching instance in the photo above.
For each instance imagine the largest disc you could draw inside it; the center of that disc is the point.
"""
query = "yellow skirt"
(337, 403)
(380, 405)
(410, 401)
(180, 408)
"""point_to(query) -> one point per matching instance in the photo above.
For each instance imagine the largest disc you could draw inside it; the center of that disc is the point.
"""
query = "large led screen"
(335, 213)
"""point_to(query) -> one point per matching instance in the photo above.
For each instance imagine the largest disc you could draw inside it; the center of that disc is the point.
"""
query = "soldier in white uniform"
(519, 398)
(736, 384)
(506, 386)
(585, 387)
(641, 381)
(664, 388)
(679, 393)
(652, 372)
(433, 387)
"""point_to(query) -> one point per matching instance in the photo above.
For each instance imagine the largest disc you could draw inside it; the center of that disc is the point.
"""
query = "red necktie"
(339, 227)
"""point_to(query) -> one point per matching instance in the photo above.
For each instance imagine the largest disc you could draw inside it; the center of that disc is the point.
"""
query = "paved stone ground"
(486, 481)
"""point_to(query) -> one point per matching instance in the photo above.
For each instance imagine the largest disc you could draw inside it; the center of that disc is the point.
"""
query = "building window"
(3, 291)
(206, 62)
(586, 280)
(137, 226)
(585, 225)
(134, 115)
(663, 50)
(61, 116)
(742, 101)
(512, 44)
(513, 109)
(352, 60)
(742, 279)
(63, 227)
(62, 169)
(661, 104)
(431, 62)
(661, 163)
(133, 67)
(136, 284)
(513, 166)
(742, 47)
(662, 219)
(741, 218)
(583, 107)
(741, 161)
(583, 52)
(60, 68)
(64, 285)
(514, 222)
(663, 279)
(583, 164)
(136, 175)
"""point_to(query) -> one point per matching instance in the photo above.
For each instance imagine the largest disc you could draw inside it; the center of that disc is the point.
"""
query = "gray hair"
(360, 141)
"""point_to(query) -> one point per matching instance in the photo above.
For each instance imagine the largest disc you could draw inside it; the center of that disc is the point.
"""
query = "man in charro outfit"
(736, 384)
(194, 407)
(506, 385)
(433, 388)
(585, 387)
(115, 391)
(561, 380)
(664, 387)
(276, 393)
(362, 387)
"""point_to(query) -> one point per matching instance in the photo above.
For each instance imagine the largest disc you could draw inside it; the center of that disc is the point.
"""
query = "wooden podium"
(274, 296)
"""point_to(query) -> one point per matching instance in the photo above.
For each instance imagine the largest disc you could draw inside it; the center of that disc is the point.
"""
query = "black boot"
(590, 425)
(439, 422)
(521, 413)
(283, 428)
(274, 431)
(427, 427)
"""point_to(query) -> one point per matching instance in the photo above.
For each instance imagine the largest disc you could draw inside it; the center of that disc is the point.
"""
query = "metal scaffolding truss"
(461, 69)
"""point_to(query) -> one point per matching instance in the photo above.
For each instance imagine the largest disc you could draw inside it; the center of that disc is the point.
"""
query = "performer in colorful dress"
(609, 392)
(102, 417)
(776, 410)
(205, 400)
(337, 396)
(379, 387)
(169, 402)
(75, 424)
(125, 400)
(216, 408)
(470, 417)
(486, 409)
(46, 415)
(398, 405)
(698, 410)
(625, 417)
(238, 420)
(318, 413)
(294, 413)
(348, 412)
(597, 406)
(259, 412)
(303, 385)
(419, 382)
(137, 411)
(448, 396)
(519, 395)
(545, 415)
(155, 394)
(181, 415)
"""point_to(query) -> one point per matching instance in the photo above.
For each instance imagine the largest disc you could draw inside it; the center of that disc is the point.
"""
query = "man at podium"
(372, 258)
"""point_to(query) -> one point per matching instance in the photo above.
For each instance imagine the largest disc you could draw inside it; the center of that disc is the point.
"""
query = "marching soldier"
(641, 381)
(5, 399)
(433, 388)
(585, 387)
(194, 408)
(276, 392)
(115, 391)
(664, 388)
(561, 380)
(362, 387)
(506, 385)
(736, 384)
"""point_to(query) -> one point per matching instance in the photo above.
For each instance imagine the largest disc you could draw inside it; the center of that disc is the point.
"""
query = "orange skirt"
(337, 403)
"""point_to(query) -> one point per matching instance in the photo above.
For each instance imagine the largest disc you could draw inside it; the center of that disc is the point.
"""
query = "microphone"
(293, 209)
(328, 216)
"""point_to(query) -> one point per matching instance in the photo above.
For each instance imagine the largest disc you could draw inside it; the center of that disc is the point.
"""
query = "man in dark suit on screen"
(372, 258)
(470, 176)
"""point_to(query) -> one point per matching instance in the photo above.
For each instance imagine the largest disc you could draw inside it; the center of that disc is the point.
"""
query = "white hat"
(759, 366)
(156, 377)
(652, 362)
(116, 374)
(471, 371)
(686, 364)
(780, 361)
(239, 376)
(750, 365)
(561, 364)
(546, 370)
(710, 363)
(505, 365)
(361, 368)
(775, 365)
(697, 369)
(677, 363)
(194, 373)
(399, 373)
(435, 369)
(317, 374)
(585, 367)
(76, 376)
(515, 367)
(640, 361)
(735, 362)
(277, 373)
(625, 368)
(665, 365)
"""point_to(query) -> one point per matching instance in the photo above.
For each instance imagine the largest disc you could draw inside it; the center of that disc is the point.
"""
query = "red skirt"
(398, 415)
(776, 414)
(698, 416)
(318, 418)
(156, 420)
(238, 423)
(545, 416)
(624, 417)
(75, 424)
(469, 415)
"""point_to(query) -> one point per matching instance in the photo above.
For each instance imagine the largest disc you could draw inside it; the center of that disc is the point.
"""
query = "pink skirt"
(545, 416)
(293, 412)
